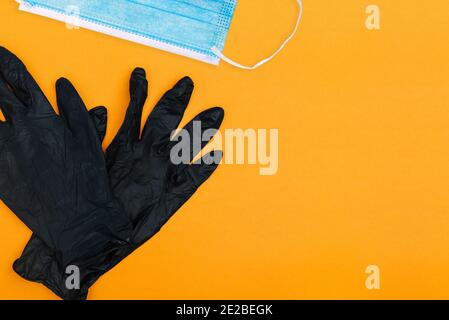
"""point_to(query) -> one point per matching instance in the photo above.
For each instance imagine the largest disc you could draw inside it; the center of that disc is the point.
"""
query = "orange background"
(364, 154)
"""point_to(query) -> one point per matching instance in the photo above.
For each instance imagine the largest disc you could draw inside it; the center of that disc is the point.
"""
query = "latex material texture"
(150, 187)
(52, 172)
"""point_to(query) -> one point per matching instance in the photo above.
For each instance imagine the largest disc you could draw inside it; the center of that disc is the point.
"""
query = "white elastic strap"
(257, 65)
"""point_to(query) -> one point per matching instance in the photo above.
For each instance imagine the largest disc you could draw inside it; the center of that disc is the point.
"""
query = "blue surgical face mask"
(192, 28)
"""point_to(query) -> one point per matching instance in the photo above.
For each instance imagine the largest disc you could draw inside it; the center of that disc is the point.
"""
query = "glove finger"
(210, 121)
(9, 103)
(180, 190)
(24, 86)
(168, 113)
(72, 108)
(99, 117)
(130, 130)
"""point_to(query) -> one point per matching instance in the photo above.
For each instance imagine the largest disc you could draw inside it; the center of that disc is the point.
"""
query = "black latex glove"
(149, 185)
(52, 171)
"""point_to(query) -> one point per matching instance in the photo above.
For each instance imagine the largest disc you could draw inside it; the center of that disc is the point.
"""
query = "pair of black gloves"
(87, 208)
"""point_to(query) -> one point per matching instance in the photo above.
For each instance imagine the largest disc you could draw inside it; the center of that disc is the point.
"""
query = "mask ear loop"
(261, 63)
